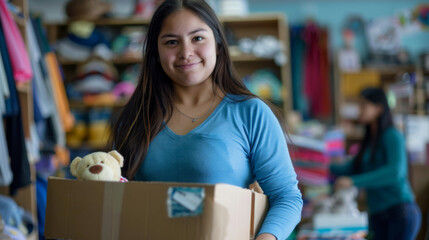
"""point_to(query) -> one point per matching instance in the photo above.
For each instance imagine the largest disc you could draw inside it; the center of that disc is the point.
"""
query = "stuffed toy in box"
(99, 166)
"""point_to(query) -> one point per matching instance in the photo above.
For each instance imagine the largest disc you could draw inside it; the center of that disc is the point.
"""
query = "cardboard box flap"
(233, 208)
(260, 206)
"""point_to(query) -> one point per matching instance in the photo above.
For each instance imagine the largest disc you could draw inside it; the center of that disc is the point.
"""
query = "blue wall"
(333, 13)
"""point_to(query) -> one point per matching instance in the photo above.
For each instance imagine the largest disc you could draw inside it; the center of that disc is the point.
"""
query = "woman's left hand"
(343, 182)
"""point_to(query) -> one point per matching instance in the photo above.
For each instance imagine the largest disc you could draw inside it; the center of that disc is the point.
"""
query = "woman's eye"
(171, 42)
(102, 161)
(198, 38)
(87, 165)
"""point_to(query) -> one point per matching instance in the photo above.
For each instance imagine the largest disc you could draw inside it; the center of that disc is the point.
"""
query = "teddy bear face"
(99, 166)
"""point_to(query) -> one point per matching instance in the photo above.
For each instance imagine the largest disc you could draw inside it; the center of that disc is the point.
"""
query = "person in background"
(380, 167)
(191, 119)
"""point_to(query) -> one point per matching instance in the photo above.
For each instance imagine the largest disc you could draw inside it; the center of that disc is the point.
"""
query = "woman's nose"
(186, 51)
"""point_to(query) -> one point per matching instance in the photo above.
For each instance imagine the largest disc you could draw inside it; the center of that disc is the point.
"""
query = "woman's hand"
(343, 182)
(266, 236)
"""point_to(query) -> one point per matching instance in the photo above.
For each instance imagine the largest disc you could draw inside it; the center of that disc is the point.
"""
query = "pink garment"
(21, 66)
(123, 179)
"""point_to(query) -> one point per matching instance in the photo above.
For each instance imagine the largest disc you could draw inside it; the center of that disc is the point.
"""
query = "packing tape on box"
(112, 207)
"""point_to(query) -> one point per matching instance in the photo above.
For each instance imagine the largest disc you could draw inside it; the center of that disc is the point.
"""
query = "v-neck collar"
(201, 125)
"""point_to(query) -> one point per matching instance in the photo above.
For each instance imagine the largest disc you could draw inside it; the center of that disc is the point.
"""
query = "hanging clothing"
(5, 171)
(4, 88)
(40, 35)
(297, 49)
(14, 129)
(326, 103)
(312, 82)
(41, 193)
(12, 104)
(43, 99)
(46, 117)
(21, 66)
(315, 86)
(63, 108)
(18, 153)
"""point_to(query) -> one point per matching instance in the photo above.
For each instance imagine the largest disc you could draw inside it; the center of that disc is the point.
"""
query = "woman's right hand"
(343, 182)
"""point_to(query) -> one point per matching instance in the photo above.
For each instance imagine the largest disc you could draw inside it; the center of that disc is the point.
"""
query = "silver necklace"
(194, 119)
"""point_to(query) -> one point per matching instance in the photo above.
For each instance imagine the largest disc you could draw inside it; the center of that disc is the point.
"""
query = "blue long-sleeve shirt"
(386, 178)
(240, 142)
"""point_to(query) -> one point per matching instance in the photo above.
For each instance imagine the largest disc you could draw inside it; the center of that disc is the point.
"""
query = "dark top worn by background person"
(385, 179)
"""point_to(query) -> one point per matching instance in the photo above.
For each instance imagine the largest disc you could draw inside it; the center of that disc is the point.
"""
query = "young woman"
(381, 168)
(192, 120)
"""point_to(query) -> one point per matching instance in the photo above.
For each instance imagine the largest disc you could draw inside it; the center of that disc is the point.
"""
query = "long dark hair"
(384, 121)
(142, 117)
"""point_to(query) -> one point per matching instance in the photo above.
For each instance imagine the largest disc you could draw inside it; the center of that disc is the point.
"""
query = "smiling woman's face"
(187, 49)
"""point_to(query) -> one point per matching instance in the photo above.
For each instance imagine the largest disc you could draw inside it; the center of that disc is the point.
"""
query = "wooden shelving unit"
(252, 27)
(249, 26)
(347, 85)
(415, 104)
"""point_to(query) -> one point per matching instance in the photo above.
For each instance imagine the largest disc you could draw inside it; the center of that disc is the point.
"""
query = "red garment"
(316, 72)
(325, 104)
(123, 179)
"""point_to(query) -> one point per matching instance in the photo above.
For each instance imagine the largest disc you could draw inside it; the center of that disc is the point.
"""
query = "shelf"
(391, 69)
(408, 111)
(249, 58)
(253, 18)
(139, 21)
(88, 146)
(76, 104)
(114, 61)
(108, 22)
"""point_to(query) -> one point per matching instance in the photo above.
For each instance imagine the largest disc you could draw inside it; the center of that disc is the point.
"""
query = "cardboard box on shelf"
(151, 210)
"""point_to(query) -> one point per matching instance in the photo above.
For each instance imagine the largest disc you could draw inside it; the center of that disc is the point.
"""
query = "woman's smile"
(187, 66)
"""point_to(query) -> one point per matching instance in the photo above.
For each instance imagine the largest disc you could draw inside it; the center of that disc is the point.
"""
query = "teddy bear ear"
(118, 157)
(73, 166)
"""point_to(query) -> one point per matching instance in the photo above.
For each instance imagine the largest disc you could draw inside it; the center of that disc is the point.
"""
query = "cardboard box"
(140, 210)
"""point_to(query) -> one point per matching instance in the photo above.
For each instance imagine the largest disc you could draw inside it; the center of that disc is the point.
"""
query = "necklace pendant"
(194, 119)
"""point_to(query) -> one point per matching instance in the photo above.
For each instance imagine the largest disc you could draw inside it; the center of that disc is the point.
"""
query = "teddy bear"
(101, 166)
